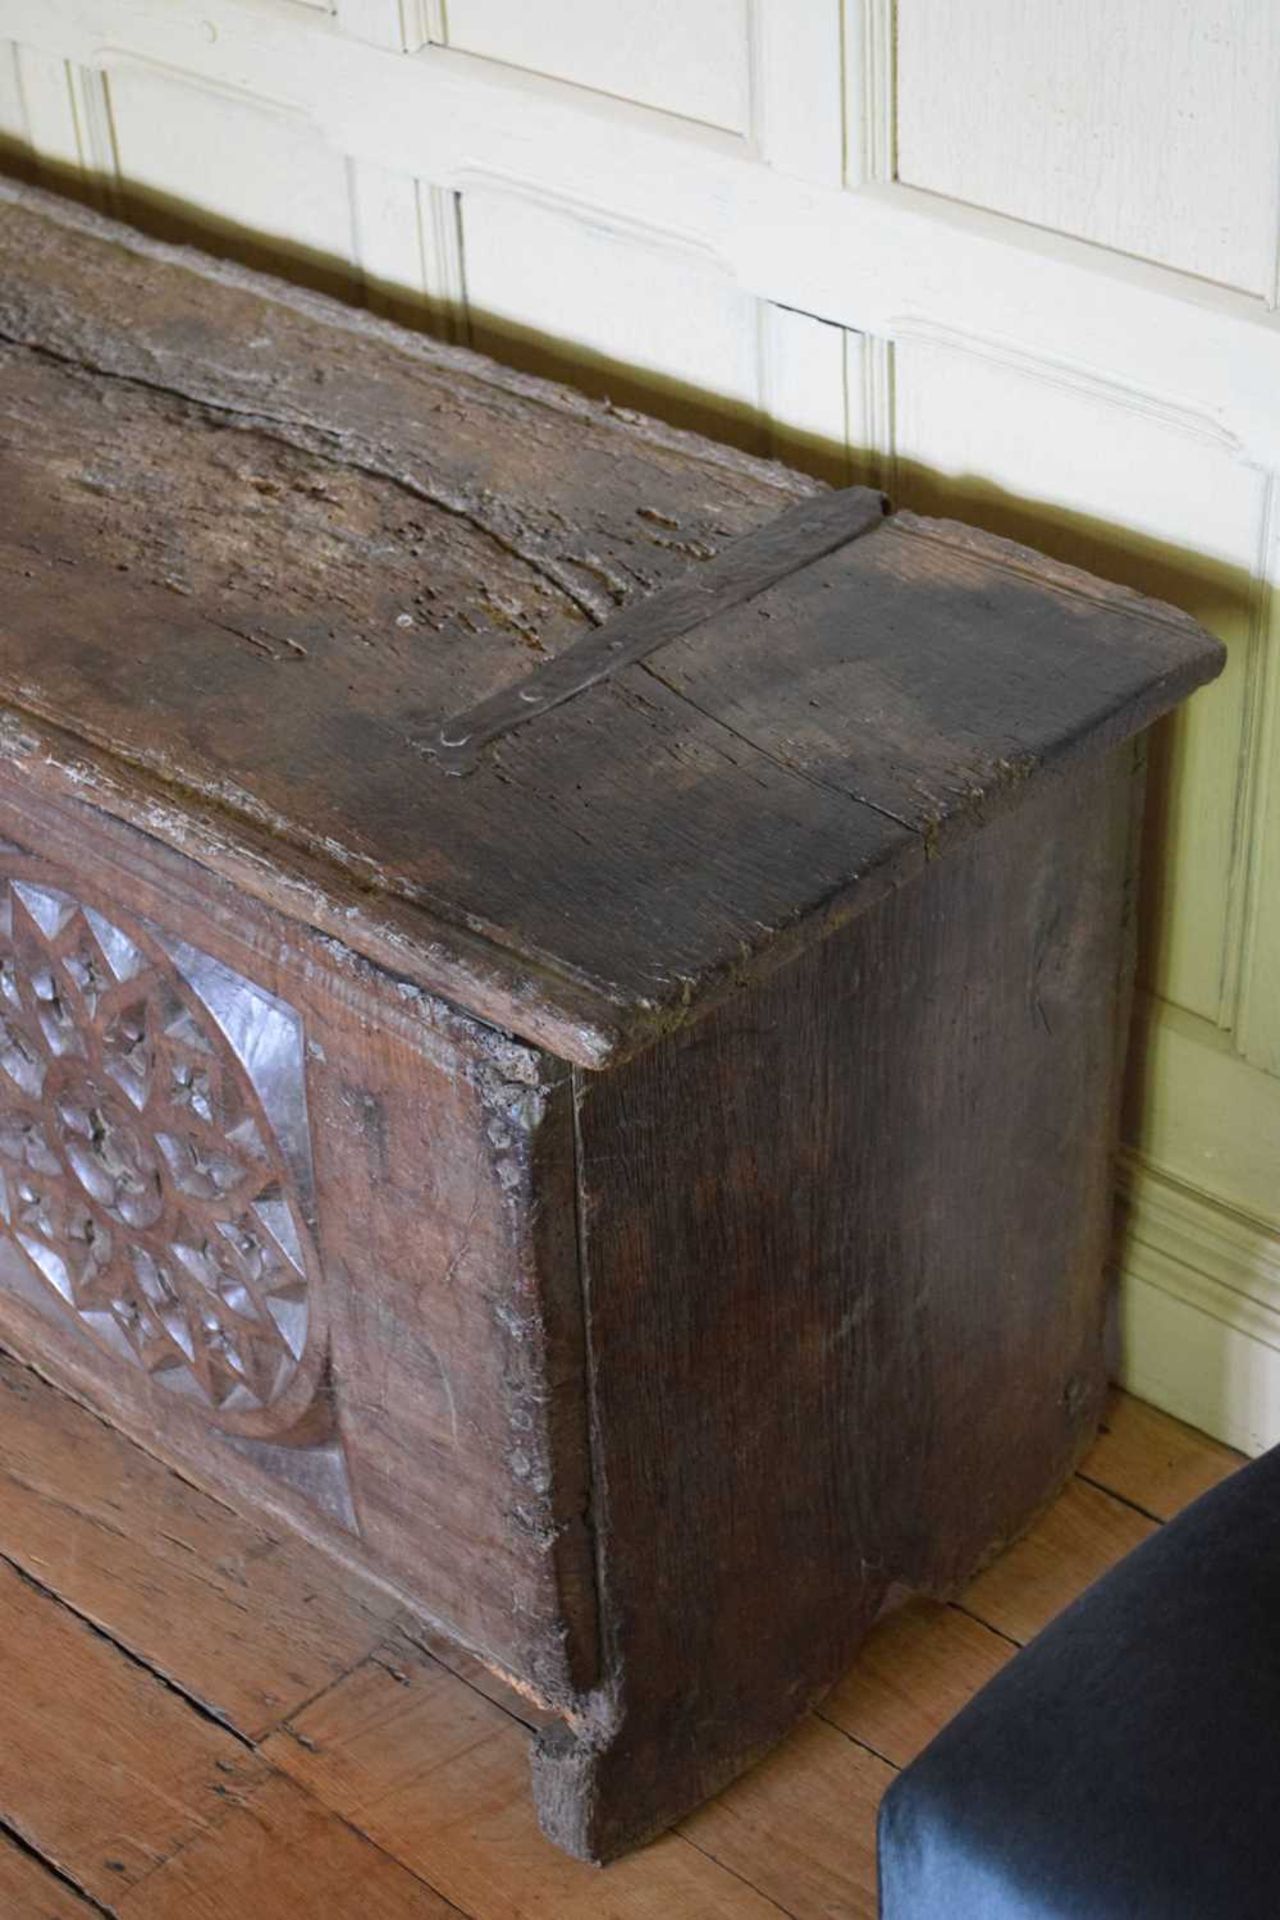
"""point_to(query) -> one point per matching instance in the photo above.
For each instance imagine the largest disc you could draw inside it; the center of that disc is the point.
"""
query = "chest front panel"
(274, 1211)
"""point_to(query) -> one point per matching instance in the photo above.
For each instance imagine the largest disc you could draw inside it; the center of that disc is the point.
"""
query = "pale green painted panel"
(1258, 1024)
(1204, 1115)
(1136, 492)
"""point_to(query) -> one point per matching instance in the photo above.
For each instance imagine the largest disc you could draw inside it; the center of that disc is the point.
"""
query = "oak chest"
(561, 991)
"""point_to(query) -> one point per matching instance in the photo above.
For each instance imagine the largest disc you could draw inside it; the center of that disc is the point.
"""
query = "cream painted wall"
(1016, 259)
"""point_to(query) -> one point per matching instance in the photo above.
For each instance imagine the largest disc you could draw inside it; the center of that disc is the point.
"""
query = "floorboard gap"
(1009, 1639)
(724, 1867)
(18, 1839)
(1100, 1486)
(855, 1740)
(192, 1700)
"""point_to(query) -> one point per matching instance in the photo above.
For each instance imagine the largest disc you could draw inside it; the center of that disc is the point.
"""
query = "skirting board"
(1199, 1310)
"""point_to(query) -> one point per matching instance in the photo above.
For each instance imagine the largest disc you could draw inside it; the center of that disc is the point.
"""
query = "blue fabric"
(1126, 1764)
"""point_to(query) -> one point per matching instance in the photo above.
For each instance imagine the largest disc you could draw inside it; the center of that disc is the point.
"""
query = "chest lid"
(559, 713)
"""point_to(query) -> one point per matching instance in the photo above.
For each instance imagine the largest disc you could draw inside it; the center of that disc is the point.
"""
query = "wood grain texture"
(823, 1378)
(437, 1776)
(915, 1669)
(447, 1301)
(421, 553)
(789, 545)
(1083, 1534)
(247, 1621)
(1153, 1462)
(646, 1383)
(429, 1772)
(765, 1087)
(103, 1768)
(28, 1889)
(346, 462)
(277, 1852)
(801, 1826)
(928, 671)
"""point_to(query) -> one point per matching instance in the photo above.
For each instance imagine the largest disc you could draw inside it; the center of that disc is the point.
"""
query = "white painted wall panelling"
(622, 295)
(1149, 127)
(386, 229)
(806, 370)
(1200, 1310)
(408, 245)
(873, 260)
(258, 163)
(1207, 1118)
(13, 117)
(797, 88)
(1205, 1354)
(45, 83)
(633, 301)
(689, 57)
(378, 21)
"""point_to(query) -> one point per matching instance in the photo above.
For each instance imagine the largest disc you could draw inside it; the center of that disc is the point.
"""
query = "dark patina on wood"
(799, 537)
(648, 1196)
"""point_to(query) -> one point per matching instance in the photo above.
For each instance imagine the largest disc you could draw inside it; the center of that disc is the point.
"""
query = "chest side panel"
(844, 1256)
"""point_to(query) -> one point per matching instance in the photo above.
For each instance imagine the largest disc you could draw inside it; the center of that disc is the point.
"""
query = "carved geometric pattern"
(140, 1172)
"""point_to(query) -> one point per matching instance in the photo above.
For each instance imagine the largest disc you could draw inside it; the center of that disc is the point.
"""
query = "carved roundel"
(153, 1151)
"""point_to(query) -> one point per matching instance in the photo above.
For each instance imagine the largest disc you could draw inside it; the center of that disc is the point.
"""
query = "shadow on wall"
(1217, 594)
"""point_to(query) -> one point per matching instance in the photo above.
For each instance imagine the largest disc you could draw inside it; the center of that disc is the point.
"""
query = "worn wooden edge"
(534, 997)
(240, 844)
(432, 943)
(1042, 570)
(158, 880)
(440, 355)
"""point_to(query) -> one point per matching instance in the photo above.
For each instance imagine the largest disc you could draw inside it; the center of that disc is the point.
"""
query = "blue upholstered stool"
(1126, 1765)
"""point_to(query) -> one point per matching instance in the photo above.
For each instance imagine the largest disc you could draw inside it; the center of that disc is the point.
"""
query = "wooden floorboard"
(278, 1854)
(801, 1826)
(1084, 1533)
(203, 1719)
(103, 1768)
(249, 1621)
(28, 1888)
(1155, 1463)
(437, 1775)
(917, 1667)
